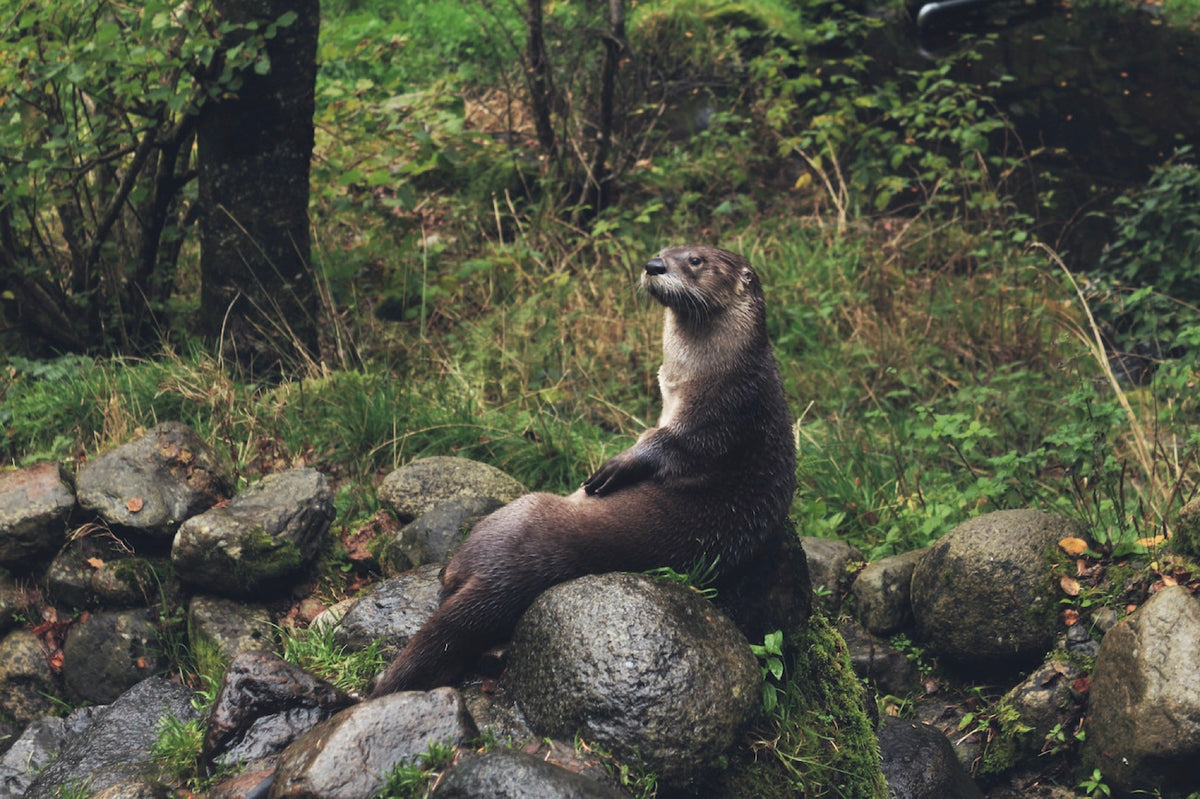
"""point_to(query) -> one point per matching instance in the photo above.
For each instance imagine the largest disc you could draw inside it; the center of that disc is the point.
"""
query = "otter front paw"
(617, 472)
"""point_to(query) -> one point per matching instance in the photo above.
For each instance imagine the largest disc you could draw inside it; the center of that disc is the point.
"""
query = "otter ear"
(747, 275)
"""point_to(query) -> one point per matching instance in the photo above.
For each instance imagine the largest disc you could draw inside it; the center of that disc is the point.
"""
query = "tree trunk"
(257, 290)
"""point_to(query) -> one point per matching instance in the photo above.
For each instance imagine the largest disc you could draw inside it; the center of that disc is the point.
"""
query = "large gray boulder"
(643, 669)
(982, 595)
(1143, 727)
(154, 483)
(350, 755)
(34, 505)
(259, 540)
(116, 746)
(420, 486)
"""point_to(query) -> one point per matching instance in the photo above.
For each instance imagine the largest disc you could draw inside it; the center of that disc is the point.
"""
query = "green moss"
(819, 742)
(266, 557)
(1010, 743)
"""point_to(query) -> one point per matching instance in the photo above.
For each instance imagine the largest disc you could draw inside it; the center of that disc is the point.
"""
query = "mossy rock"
(1186, 538)
(820, 742)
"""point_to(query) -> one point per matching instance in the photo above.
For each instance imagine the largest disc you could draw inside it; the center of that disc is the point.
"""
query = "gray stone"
(646, 670)
(115, 747)
(881, 593)
(1143, 726)
(264, 703)
(392, 612)
(154, 483)
(509, 774)
(27, 683)
(418, 487)
(99, 571)
(349, 755)
(109, 652)
(982, 596)
(919, 763)
(1044, 700)
(261, 539)
(34, 505)
(496, 713)
(29, 754)
(13, 602)
(434, 536)
(829, 565)
(230, 626)
(880, 664)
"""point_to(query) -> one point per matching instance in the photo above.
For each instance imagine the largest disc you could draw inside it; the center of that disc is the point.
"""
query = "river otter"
(713, 481)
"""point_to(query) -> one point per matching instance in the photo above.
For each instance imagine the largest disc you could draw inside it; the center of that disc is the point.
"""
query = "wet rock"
(34, 505)
(70, 574)
(260, 539)
(116, 745)
(1080, 642)
(27, 682)
(136, 788)
(829, 565)
(231, 627)
(496, 713)
(881, 593)
(393, 611)
(1027, 714)
(879, 663)
(418, 487)
(109, 652)
(13, 601)
(38, 745)
(154, 483)
(100, 571)
(982, 596)
(349, 755)
(1186, 538)
(434, 536)
(249, 784)
(919, 763)
(1143, 727)
(643, 669)
(264, 703)
(509, 774)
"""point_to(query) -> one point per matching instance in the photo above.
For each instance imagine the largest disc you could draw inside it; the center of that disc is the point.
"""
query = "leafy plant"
(770, 652)
(1094, 785)
(96, 195)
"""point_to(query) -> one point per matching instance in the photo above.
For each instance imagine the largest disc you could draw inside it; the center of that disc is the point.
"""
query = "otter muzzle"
(656, 266)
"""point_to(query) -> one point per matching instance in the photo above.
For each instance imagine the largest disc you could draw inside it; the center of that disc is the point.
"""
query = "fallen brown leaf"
(95, 563)
(1073, 546)
(1070, 586)
(135, 504)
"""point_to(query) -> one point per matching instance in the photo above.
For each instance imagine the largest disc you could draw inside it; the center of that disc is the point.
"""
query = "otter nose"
(656, 266)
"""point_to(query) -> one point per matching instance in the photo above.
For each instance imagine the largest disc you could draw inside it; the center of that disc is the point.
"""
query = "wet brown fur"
(714, 478)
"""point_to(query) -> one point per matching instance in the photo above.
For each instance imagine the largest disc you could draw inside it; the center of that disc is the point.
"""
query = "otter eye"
(695, 260)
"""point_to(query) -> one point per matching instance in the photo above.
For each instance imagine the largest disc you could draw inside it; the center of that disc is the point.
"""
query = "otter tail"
(470, 620)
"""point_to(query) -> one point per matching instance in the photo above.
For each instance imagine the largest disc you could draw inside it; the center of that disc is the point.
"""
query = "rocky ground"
(1002, 657)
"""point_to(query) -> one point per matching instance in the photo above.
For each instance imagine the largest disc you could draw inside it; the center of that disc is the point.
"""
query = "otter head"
(700, 283)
